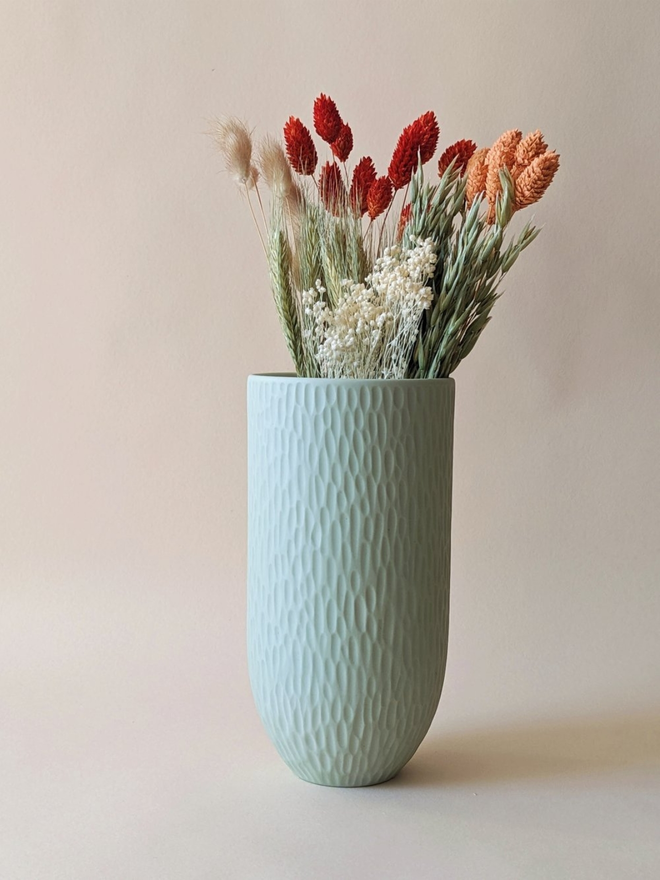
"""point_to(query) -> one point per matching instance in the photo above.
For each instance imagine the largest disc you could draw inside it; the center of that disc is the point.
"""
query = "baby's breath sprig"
(370, 332)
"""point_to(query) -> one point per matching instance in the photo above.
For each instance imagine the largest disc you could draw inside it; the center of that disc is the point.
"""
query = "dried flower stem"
(256, 225)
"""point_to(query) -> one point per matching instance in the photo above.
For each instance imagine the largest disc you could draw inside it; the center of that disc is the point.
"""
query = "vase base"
(348, 784)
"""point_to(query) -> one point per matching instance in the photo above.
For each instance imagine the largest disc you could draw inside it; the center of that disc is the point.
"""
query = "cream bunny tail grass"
(274, 167)
(234, 142)
(276, 171)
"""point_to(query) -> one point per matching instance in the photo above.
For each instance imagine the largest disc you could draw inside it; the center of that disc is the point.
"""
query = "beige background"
(133, 304)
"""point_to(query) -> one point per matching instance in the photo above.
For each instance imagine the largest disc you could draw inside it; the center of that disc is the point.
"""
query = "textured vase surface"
(349, 522)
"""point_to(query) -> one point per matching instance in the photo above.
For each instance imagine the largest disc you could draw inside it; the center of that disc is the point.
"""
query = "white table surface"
(130, 750)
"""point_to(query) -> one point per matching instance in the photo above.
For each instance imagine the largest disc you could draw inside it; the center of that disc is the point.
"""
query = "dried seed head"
(476, 171)
(299, 146)
(403, 220)
(331, 188)
(327, 120)
(234, 142)
(417, 141)
(461, 151)
(501, 155)
(531, 146)
(295, 201)
(536, 178)
(379, 196)
(429, 132)
(343, 143)
(253, 178)
(364, 175)
(275, 167)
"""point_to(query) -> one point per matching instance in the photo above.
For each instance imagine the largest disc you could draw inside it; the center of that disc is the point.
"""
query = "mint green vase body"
(349, 522)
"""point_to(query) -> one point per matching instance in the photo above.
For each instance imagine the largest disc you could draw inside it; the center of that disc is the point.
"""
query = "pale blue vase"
(349, 527)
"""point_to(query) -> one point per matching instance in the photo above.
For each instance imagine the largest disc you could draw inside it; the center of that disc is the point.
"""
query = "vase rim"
(292, 377)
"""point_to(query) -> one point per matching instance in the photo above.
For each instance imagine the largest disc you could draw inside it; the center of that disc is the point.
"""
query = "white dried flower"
(372, 330)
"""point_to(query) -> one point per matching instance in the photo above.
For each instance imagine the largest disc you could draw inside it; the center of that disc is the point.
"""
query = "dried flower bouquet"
(385, 276)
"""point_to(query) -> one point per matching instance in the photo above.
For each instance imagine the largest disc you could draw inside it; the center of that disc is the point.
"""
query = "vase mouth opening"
(293, 377)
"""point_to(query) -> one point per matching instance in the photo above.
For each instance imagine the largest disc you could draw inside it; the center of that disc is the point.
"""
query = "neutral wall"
(134, 301)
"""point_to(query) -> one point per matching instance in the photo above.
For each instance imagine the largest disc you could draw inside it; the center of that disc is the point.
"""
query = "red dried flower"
(364, 175)
(331, 187)
(461, 151)
(403, 219)
(343, 143)
(379, 196)
(429, 132)
(299, 146)
(417, 141)
(327, 120)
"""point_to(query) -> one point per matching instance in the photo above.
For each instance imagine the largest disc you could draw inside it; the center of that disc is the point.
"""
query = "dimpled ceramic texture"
(349, 519)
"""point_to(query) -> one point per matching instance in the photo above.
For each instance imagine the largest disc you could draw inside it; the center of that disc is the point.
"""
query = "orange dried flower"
(476, 171)
(531, 146)
(331, 187)
(501, 155)
(364, 175)
(379, 196)
(417, 141)
(327, 120)
(343, 143)
(536, 178)
(462, 151)
(300, 147)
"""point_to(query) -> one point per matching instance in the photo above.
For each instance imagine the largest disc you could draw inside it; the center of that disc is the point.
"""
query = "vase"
(349, 528)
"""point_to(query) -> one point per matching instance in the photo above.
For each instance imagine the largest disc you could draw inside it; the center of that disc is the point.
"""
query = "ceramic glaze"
(349, 522)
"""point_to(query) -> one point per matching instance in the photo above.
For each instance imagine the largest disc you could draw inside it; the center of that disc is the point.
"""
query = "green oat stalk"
(288, 309)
